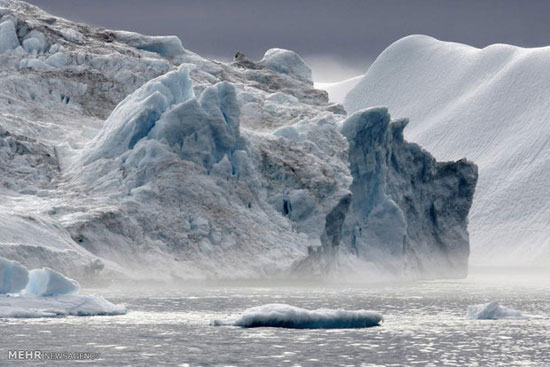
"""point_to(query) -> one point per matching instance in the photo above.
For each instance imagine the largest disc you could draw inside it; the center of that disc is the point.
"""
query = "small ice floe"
(286, 316)
(493, 311)
(46, 293)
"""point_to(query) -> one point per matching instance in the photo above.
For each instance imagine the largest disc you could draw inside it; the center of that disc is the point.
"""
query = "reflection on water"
(425, 325)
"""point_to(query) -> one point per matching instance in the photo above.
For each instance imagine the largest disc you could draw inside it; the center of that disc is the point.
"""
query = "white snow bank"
(46, 293)
(13, 276)
(493, 311)
(286, 316)
(65, 305)
(47, 282)
(337, 91)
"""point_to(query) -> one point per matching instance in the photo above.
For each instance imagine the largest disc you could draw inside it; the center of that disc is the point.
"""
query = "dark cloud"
(349, 32)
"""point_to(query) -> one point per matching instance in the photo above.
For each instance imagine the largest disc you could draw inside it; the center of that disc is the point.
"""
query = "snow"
(493, 311)
(488, 105)
(337, 91)
(46, 293)
(13, 276)
(287, 316)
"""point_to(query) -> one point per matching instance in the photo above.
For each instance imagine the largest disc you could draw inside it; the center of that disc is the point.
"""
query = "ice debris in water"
(492, 311)
(287, 316)
(46, 293)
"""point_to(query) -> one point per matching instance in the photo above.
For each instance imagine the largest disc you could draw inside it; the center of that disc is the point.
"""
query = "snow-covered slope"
(337, 91)
(490, 105)
(128, 155)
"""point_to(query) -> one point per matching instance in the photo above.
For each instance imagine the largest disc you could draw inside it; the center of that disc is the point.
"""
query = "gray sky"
(339, 39)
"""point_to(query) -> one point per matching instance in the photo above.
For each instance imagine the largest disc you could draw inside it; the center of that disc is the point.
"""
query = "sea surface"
(424, 325)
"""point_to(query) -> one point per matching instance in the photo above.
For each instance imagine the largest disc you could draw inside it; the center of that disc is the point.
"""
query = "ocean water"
(424, 325)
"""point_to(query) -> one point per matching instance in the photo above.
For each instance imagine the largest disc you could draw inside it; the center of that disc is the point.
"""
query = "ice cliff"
(489, 105)
(129, 156)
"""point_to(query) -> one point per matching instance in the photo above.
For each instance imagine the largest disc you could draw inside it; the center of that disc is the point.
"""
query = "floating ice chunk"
(8, 36)
(35, 42)
(46, 293)
(13, 276)
(492, 311)
(163, 45)
(66, 305)
(47, 282)
(286, 316)
(287, 62)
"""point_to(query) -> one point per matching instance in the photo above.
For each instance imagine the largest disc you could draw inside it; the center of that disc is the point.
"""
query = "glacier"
(127, 156)
(46, 293)
(488, 105)
(291, 317)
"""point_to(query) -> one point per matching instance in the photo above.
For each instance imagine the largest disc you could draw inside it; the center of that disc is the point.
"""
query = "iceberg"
(493, 311)
(487, 105)
(13, 276)
(291, 317)
(193, 168)
(57, 306)
(46, 293)
(47, 282)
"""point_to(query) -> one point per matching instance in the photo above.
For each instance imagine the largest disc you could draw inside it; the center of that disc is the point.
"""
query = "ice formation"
(47, 282)
(337, 91)
(287, 316)
(46, 293)
(492, 311)
(490, 106)
(13, 276)
(128, 155)
(66, 305)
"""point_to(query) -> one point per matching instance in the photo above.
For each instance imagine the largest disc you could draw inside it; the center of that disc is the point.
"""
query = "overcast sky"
(339, 39)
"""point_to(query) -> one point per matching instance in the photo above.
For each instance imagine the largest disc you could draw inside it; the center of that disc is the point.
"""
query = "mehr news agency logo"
(40, 355)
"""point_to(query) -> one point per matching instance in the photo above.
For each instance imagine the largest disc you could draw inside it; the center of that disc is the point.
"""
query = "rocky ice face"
(404, 202)
(204, 169)
(406, 214)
